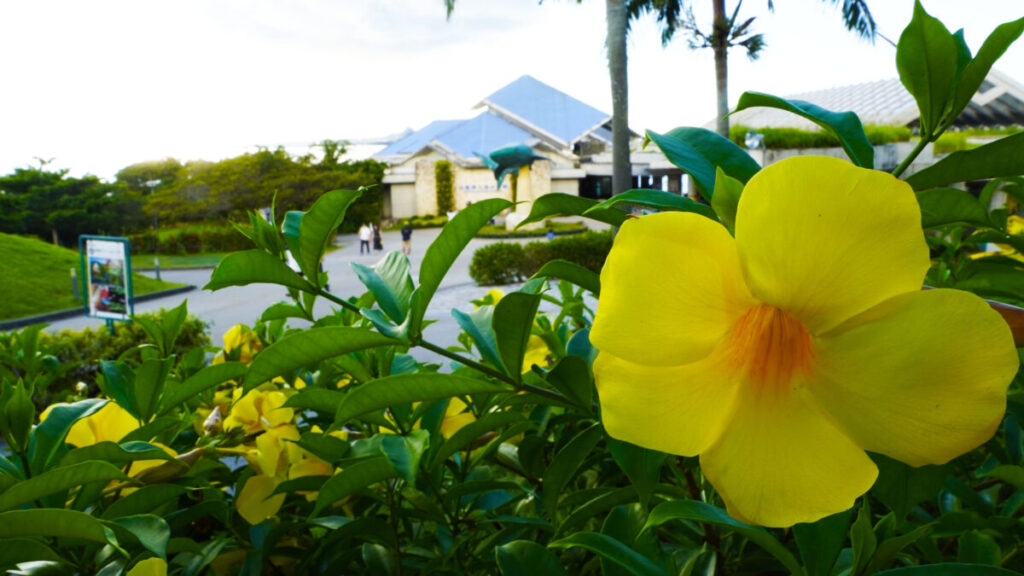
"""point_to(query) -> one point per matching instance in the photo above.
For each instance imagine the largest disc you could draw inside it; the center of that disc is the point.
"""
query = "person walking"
(364, 237)
(407, 239)
(378, 244)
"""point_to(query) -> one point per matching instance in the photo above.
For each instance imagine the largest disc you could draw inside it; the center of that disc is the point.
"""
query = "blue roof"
(541, 105)
(483, 133)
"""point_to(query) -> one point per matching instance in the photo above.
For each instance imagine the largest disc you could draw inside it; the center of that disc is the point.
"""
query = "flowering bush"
(764, 388)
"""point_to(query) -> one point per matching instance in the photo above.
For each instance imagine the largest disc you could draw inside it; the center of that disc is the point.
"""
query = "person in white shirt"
(365, 233)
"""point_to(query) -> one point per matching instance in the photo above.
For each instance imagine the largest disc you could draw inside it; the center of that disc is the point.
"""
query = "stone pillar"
(426, 189)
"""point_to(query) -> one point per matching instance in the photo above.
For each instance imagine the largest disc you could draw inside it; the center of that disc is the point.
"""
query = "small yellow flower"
(456, 417)
(242, 339)
(537, 352)
(784, 354)
(110, 423)
(260, 409)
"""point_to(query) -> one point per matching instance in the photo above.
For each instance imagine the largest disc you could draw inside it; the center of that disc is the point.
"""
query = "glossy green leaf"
(949, 569)
(478, 325)
(512, 324)
(307, 348)
(697, 152)
(150, 377)
(406, 388)
(469, 433)
(558, 204)
(901, 487)
(571, 272)
(16, 550)
(390, 283)
(656, 199)
(404, 452)
(941, 206)
(353, 477)
(572, 377)
(209, 377)
(888, 550)
(282, 311)
(597, 505)
(992, 160)
(118, 384)
(144, 501)
(611, 549)
(324, 446)
(565, 464)
(445, 249)
(49, 435)
(726, 198)
(702, 512)
(978, 548)
(845, 125)
(151, 531)
(319, 400)
(317, 228)
(56, 481)
(254, 267)
(820, 543)
(974, 74)
(54, 523)
(992, 278)
(862, 539)
(113, 453)
(926, 58)
(641, 465)
(525, 558)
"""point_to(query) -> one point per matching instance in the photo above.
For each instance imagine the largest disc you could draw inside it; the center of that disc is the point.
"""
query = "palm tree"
(728, 32)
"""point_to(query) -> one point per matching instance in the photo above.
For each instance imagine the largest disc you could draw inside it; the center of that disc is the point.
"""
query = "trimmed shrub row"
(508, 262)
(224, 239)
(794, 138)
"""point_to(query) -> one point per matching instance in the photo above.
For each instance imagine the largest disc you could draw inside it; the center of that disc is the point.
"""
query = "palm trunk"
(720, 47)
(616, 44)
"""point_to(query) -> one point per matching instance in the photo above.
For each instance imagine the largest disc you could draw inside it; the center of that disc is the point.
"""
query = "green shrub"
(589, 250)
(795, 138)
(428, 221)
(190, 241)
(559, 228)
(443, 186)
(498, 263)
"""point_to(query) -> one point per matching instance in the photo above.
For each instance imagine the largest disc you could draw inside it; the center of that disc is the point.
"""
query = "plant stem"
(339, 301)
(913, 155)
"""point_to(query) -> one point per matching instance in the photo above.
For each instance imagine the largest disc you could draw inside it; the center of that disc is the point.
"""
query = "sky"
(95, 86)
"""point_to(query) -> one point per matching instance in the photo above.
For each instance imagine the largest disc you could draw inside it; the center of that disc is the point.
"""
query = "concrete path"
(227, 307)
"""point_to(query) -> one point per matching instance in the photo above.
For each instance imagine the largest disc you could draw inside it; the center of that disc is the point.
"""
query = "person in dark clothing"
(407, 239)
(378, 244)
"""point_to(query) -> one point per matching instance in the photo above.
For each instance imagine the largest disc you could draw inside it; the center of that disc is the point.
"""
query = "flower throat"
(771, 347)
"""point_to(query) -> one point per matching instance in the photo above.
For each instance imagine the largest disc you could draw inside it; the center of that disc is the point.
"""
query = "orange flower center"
(770, 347)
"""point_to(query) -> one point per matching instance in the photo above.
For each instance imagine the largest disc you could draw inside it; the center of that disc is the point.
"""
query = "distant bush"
(443, 185)
(507, 262)
(428, 221)
(951, 142)
(559, 228)
(795, 138)
(190, 241)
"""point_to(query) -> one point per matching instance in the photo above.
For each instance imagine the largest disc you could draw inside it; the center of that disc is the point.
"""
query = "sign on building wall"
(107, 275)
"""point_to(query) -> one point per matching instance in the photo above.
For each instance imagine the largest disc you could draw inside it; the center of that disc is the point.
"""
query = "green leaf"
(118, 384)
(282, 311)
(595, 506)
(478, 325)
(656, 199)
(17, 550)
(726, 198)
(558, 204)
(512, 324)
(571, 376)
(405, 388)
(307, 348)
(54, 523)
(209, 377)
(890, 548)
(144, 500)
(862, 539)
(404, 452)
(56, 481)
(444, 250)
(701, 512)
(571, 272)
(927, 58)
(352, 478)
(151, 531)
(317, 229)
(525, 558)
(115, 454)
(901, 487)
(976, 71)
(49, 435)
(821, 542)
(697, 152)
(995, 159)
(254, 267)
(173, 320)
(977, 548)
(611, 549)
(565, 464)
(390, 283)
(641, 465)
(324, 446)
(845, 125)
(941, 206)
(949, 569)
(471, 432)
(1013, 475)
(149, 385)
(319, 400)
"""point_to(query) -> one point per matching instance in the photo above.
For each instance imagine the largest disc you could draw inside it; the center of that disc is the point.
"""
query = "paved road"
(225, 308)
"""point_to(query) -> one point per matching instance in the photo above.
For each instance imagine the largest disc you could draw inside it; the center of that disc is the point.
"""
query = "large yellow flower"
(784, 354)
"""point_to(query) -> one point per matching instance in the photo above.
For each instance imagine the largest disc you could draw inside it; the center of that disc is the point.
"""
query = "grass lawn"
(36, 278)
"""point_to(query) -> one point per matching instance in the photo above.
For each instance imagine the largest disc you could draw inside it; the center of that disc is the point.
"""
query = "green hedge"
(428, 221)
(222, 239)
(507, 262)
(794, 138)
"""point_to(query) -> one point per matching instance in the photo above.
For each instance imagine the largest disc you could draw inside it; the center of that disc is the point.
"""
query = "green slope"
(35, 277)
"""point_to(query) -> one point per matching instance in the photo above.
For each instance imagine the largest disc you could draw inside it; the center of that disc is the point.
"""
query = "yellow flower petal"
(455, 418)
(108, 424)
(537, 352)
(670, 290)
(921, 377)
(149, 567)
(675, 409)
(825, 240)
(781, 461)
(253, 503)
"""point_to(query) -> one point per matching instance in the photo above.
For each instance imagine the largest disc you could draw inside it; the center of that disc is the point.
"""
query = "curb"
(72, 312)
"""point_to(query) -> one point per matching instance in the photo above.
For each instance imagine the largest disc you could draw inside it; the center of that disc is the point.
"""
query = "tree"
(729, 32)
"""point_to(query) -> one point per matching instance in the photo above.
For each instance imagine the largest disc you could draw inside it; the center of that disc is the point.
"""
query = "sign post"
(106, 278)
